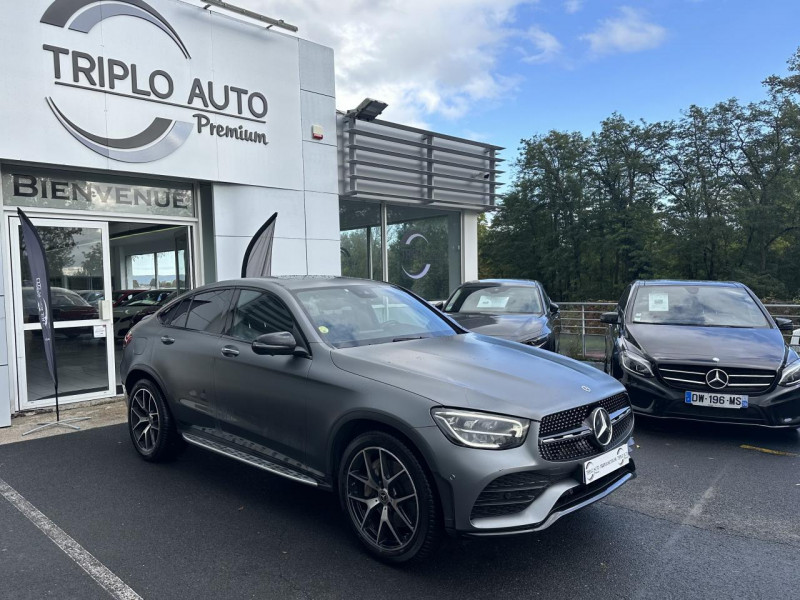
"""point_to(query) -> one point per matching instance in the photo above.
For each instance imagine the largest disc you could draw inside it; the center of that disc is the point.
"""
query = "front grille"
(693, 377)
(577, 448)
(574, 417)
(509, 494)
(565, 436)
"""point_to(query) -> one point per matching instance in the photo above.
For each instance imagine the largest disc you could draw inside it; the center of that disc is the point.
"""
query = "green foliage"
(712, 195)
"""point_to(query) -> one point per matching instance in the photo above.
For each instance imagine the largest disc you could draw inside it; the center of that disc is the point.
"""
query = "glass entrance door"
(78, 260)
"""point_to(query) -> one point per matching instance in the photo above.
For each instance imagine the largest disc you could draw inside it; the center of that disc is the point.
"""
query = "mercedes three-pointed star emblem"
(717, 379)
(603, 431)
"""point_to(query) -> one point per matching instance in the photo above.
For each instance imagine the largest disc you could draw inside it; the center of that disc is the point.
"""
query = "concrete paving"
(707, 518)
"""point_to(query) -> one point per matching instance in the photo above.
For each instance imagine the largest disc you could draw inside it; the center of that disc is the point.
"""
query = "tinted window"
(362, 314)
(257, 313)
(176, 315)
(209, 310)
(496, 299)
(705, 306)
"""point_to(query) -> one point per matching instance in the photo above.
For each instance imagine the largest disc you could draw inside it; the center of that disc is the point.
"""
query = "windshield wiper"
(409, 338)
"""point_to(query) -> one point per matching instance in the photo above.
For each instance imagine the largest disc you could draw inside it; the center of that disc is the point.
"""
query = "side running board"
(249, 459)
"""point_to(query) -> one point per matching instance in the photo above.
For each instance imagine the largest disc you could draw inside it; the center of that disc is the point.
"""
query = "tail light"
(128, 338)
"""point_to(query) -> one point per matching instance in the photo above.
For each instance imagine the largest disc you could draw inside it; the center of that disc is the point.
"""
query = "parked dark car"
(511, 309)
(124, 313)
(153, 309)
(362, 388)
(703, 350)
(66, 306)
(121, 297)
(93, 297)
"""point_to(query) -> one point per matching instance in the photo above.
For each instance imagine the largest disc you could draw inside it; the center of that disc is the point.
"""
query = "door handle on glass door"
(229, 351)
(165, 339)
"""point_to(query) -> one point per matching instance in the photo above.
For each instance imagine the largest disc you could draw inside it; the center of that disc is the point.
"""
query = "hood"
(481, 373)
(734, 346)
(510, 326)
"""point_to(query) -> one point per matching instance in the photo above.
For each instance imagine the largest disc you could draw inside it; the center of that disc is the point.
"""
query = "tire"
(394, 526)
(150, 423)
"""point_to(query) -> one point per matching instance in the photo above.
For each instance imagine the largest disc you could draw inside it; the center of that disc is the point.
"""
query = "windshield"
(363, 314)
(705, 306)
(496, 299)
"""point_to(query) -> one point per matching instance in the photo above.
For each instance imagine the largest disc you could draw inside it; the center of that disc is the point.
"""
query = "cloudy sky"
(501, 70)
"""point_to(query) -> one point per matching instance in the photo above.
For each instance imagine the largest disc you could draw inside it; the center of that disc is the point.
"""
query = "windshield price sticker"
(717, 400)
(493, 301)
(659, 302)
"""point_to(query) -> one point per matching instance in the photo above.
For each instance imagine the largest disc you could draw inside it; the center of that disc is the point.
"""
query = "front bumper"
(463, 474)
(778, 408)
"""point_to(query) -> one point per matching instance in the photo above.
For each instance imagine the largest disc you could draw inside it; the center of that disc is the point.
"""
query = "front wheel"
(150, 423)
(389, 498)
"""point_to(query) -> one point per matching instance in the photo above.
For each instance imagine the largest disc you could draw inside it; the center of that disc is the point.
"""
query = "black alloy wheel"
(389, 498)
(150, 423)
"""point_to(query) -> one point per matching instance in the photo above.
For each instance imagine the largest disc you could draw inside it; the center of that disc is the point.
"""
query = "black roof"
(295, 282)
(520, 282)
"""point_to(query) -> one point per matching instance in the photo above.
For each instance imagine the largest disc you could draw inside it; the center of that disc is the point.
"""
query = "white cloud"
(422, 57)
(629, 32)
(573, 6)
(546, 44)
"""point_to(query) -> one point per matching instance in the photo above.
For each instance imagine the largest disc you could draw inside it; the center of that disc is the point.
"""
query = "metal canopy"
(384, 160)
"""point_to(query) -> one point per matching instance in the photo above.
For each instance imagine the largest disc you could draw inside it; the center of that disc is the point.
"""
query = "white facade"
(155, 132)
(170, 92)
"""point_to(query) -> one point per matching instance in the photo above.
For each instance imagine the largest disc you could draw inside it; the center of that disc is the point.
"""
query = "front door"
(78, 261)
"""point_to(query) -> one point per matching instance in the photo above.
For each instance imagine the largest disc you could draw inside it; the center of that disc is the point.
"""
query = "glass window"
(496, 299)
(360, 236)
(176, 316)
(424, 248)
(257, 313)
(705, 306)
(209, 310)
(360, 315)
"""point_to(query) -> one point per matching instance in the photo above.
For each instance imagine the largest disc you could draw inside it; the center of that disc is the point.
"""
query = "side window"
(209, 310)
(176, 315)
(257, 313)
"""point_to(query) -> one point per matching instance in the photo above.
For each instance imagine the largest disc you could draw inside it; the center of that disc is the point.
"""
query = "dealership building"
(148, 140)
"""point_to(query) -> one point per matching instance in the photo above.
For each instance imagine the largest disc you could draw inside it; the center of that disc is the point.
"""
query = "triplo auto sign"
(157, 87)
(81, 70)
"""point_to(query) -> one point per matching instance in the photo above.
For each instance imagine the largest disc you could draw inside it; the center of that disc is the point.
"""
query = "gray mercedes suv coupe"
(364, 389)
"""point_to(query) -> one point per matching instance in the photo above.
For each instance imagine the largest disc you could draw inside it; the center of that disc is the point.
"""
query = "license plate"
(716, 400)
(605, 463)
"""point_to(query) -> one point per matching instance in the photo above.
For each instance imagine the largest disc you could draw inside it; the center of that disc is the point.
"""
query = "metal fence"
(583, 334)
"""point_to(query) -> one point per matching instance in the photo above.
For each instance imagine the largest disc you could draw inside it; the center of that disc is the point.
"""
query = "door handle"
(229, 351)
(165, 339)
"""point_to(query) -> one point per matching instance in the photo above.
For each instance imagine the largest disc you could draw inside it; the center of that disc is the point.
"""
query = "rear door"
(261, 400)
(185, 356)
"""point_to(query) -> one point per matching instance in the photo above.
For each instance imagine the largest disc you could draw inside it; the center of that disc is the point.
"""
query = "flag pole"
(40, 274)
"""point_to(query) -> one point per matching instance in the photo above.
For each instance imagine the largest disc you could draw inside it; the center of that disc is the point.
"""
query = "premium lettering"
(224, 131)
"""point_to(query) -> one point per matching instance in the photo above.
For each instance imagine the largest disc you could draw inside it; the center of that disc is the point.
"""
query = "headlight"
(537, 341)
(638, 365)
(481, 430)
(791, 374)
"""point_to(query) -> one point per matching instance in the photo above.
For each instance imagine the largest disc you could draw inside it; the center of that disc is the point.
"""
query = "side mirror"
(784, 324)
(281, 343)
(554, 308)
(438, 305)
(610, 318)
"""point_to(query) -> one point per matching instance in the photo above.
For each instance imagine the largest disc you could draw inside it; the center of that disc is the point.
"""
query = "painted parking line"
(83, 558)
(768, 451)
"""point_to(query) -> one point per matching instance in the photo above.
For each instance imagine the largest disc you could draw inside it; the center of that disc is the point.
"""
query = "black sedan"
(703, 350)
(511, 309)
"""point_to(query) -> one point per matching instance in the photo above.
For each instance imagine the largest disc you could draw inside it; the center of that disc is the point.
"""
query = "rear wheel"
(150, 423)
(389, 498)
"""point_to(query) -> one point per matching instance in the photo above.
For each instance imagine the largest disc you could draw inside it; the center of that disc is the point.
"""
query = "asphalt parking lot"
(707, 518)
